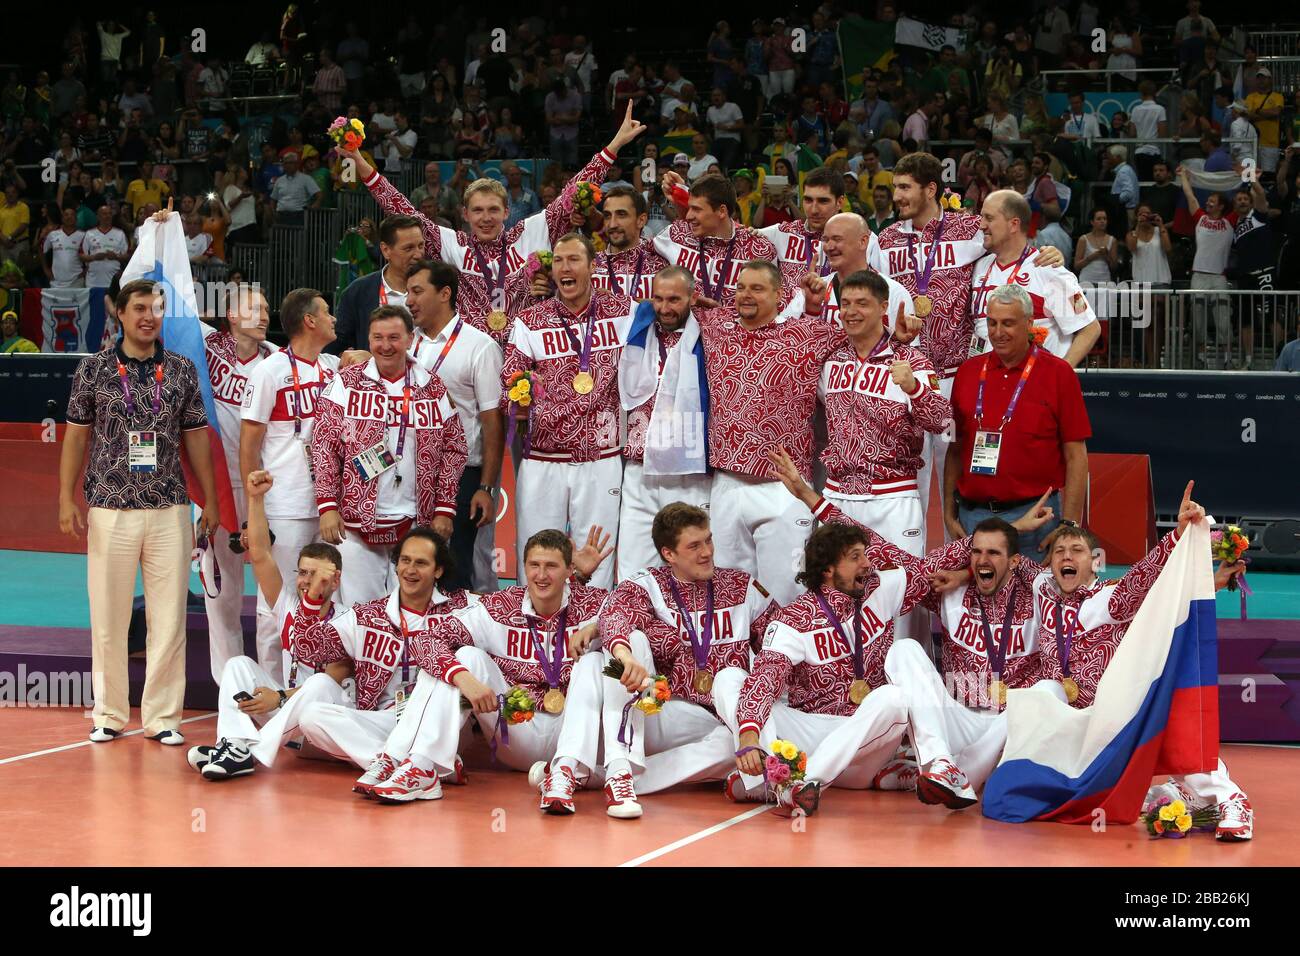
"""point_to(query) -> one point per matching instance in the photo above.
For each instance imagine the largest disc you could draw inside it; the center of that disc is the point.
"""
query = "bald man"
(1060, 307)
(848, 245)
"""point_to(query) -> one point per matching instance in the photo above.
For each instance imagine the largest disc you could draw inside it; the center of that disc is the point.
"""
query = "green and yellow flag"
(864, 45)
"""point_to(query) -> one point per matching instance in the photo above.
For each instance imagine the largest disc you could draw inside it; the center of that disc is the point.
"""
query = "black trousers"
(464, 531)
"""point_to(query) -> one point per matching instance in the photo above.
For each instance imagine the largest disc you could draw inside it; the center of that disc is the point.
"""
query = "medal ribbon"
(997, 653)
(584, 348)
(202, 544)
(492, 283)
(552, 668)
(839, 629)
(122, 377)
(923, 280)
(1015, 396)
(1064, 640)
(297, 392)
(699, 645)
(613, 276)
(715, 292)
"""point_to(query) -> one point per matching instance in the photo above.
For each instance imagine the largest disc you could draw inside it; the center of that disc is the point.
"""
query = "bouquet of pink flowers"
(536, 262)
(349, 134)
(784, 765)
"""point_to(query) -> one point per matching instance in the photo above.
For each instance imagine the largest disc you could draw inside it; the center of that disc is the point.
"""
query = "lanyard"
(291, 645)
(860, 363)
(584, 348)
(492, 283)
(1015, 396)
(297, 392)
(1015, 270)
(123, 378)
(715, 292)
(839, 629)
(451, 340)
(812, 248)
(406, 642)
(613, 276)
(699, 645)
(552, 668)
(997, 653)
(923, 280)
(406, 411)
(1064, 641)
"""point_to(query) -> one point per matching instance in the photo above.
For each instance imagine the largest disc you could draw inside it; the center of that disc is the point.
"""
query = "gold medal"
(1071, 689)
(858, 691)
(583, 383)
(998, 692)
(702, 682)
(497, 320)
(553, 702)
(924, 306)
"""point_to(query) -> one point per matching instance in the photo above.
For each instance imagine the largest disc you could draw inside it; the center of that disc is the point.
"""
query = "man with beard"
(663, 386)
(628, 264)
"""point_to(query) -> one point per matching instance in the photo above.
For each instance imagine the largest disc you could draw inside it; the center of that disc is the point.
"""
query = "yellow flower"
(788, 750)
(514, 394)
(1172, 811)
(1184, 823)
(524, 386)
(525, 401)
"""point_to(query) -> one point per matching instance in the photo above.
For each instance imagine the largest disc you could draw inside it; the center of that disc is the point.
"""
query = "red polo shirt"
(1050, 413)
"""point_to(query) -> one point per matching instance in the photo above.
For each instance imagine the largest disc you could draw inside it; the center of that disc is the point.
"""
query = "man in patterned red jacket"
(628, 264)
(570, 345)
(388, 451)
(688, 620)
(491, 258)
(535, 637)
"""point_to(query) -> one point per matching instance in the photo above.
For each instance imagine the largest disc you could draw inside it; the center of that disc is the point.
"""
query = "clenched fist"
(903, 376)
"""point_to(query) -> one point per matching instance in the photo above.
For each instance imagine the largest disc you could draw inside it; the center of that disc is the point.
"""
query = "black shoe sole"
(929, 792)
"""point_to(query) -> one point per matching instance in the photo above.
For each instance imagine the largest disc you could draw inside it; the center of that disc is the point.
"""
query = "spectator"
(981, 183)
(399, 143)
(780, 201)
(834, 108)
(875, 111)
(111, 185)
(780, 148)
(523, 201)
(1287, 361)
(917, 127)
(263, 52)
(1040, 444)
(94, 142)
(64, 93)
(1096, 254)
(139, 508)
(354, 54)
(1192, 125)
(412, 58)
(213, 82)
(1003, 75)
(1150, 246)
(15, 225)
(330, 83)
(292, 193)
(581, 65)
(983, 147)
(1206, 75)
(1124, 190)
(888, 145)
(269, 170)
(756, 56)
(1183, 28)
(65, 155)
(1254, 258)
(1053, 28)
(1053, 234)
(313, 167)
(1080, 123)
(1125, 46)
(1162, 196)
(64, 269)
(437, 108)
(433, 187)
(1001, 123)
(145, 190)
(104, 250)
(823, 48)
(701, 159)
(1214, 228)
(1242, 134)
(882, 209)
(1150, 122)
(780, 61)
(133, 99)
(214, 219)
(198, 244)
(1264, 109)
(749, 201)
(1035, 120)
(10, 341)
(718, 53)
(726, 122)
(508, 136)
(111, 35)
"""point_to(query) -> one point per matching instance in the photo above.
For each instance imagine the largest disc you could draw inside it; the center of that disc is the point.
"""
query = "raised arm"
(1193, 204)
(393, 203)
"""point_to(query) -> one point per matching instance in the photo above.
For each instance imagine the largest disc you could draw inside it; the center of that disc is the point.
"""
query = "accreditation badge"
(984, 454)
(374, 461)
(142, 451)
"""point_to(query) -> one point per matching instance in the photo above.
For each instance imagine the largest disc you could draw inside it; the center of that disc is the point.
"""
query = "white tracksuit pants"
(1213, 787)
(266, 734)
(225, 630)
(291, 536)
(430, 727)
(569, 495)
(933, 454)
(643, 498)
(941, 725)
(761, 528)
(344, 732)
(847, 751)
(900, 520)
(369, 570)
(683, 743)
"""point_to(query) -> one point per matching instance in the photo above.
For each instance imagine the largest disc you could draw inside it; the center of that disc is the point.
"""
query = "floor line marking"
(91, 743)
(694, 837)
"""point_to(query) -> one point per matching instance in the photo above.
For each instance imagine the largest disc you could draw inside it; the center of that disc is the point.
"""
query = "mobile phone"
(242, 696)
(466, 162)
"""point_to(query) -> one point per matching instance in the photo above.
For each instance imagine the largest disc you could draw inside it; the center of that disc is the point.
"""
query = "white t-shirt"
(382, 122)
(1003, 130)
(66, 266)
(584, 64)
(471, 373)
(726, 113)
(99, 274)
(700, 166)
(245, 214)
(1147, 117)
(197, 246)
(270, 399)
(394, 156)
(1060, 307)
(1213, 243)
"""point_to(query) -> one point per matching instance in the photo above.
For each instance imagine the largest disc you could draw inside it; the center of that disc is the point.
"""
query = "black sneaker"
(102, 735)
(200, 757)
(228, 761)
(172, 738)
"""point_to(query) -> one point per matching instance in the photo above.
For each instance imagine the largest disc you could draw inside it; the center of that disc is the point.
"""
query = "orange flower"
(662, 692)
(1159, 827)
(803, 762)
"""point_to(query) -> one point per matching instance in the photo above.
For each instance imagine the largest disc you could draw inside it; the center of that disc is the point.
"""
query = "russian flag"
(161, 257)
(1156, 711)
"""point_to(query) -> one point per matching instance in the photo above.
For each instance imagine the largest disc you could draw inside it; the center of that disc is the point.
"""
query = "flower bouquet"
(1038, 335)
(349, 134)
(1170, 818)
(651, 699)
(536, 262)
(784, 765)
(521, 391)
(1229, 544)
(586, 197)
(950, 200)
(517, 706)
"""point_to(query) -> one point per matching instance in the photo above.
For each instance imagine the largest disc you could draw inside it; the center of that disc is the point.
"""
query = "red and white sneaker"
(459, 776)
(620, 797)
(899, 774)
(734, 788)
(408, 783)
(380, 769)
(1236, 820)
(557, 786)
(945, 783)
(801, 796)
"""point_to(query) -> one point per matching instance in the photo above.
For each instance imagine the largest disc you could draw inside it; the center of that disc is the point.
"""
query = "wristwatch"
(284, 698)
(490, 489)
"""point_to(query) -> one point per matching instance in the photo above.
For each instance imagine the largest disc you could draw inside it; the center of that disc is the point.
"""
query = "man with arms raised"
(490, 257)
(388, 451)
(1060, 307)
(280, 402)
(401, 242)
(571, 343)
(534, 636)
(688, 620)
(663, 387)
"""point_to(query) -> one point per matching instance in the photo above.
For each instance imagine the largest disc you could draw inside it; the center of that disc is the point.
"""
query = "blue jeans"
(1029, 542)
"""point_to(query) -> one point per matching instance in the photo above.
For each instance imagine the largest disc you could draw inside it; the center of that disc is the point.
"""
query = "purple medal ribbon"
(613, 276)
(511, 427)
(1245, 592)
(923, 280)
(744, 750)
(699, 646)
(584, 348)
(997, 653)
(1064, 640)
(493, 283)
(503, 728)
(839, 629)
(715, 292)
(201, 546)
(625, 728)
(551, 669)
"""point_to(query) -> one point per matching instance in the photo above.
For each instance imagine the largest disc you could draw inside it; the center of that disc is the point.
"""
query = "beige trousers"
(158, 543)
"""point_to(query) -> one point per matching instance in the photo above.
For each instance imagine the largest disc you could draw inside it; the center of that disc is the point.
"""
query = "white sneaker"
(944, 783)
(620, 797)
(1236, 820)
(734, 789)
(900, 773)
(102, 735)
(558, 788)
(409, 783)
(171, 738)
(1173, 790)
(380, 769)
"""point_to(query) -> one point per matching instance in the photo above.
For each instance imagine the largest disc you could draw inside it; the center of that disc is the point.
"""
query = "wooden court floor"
(132, 802)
